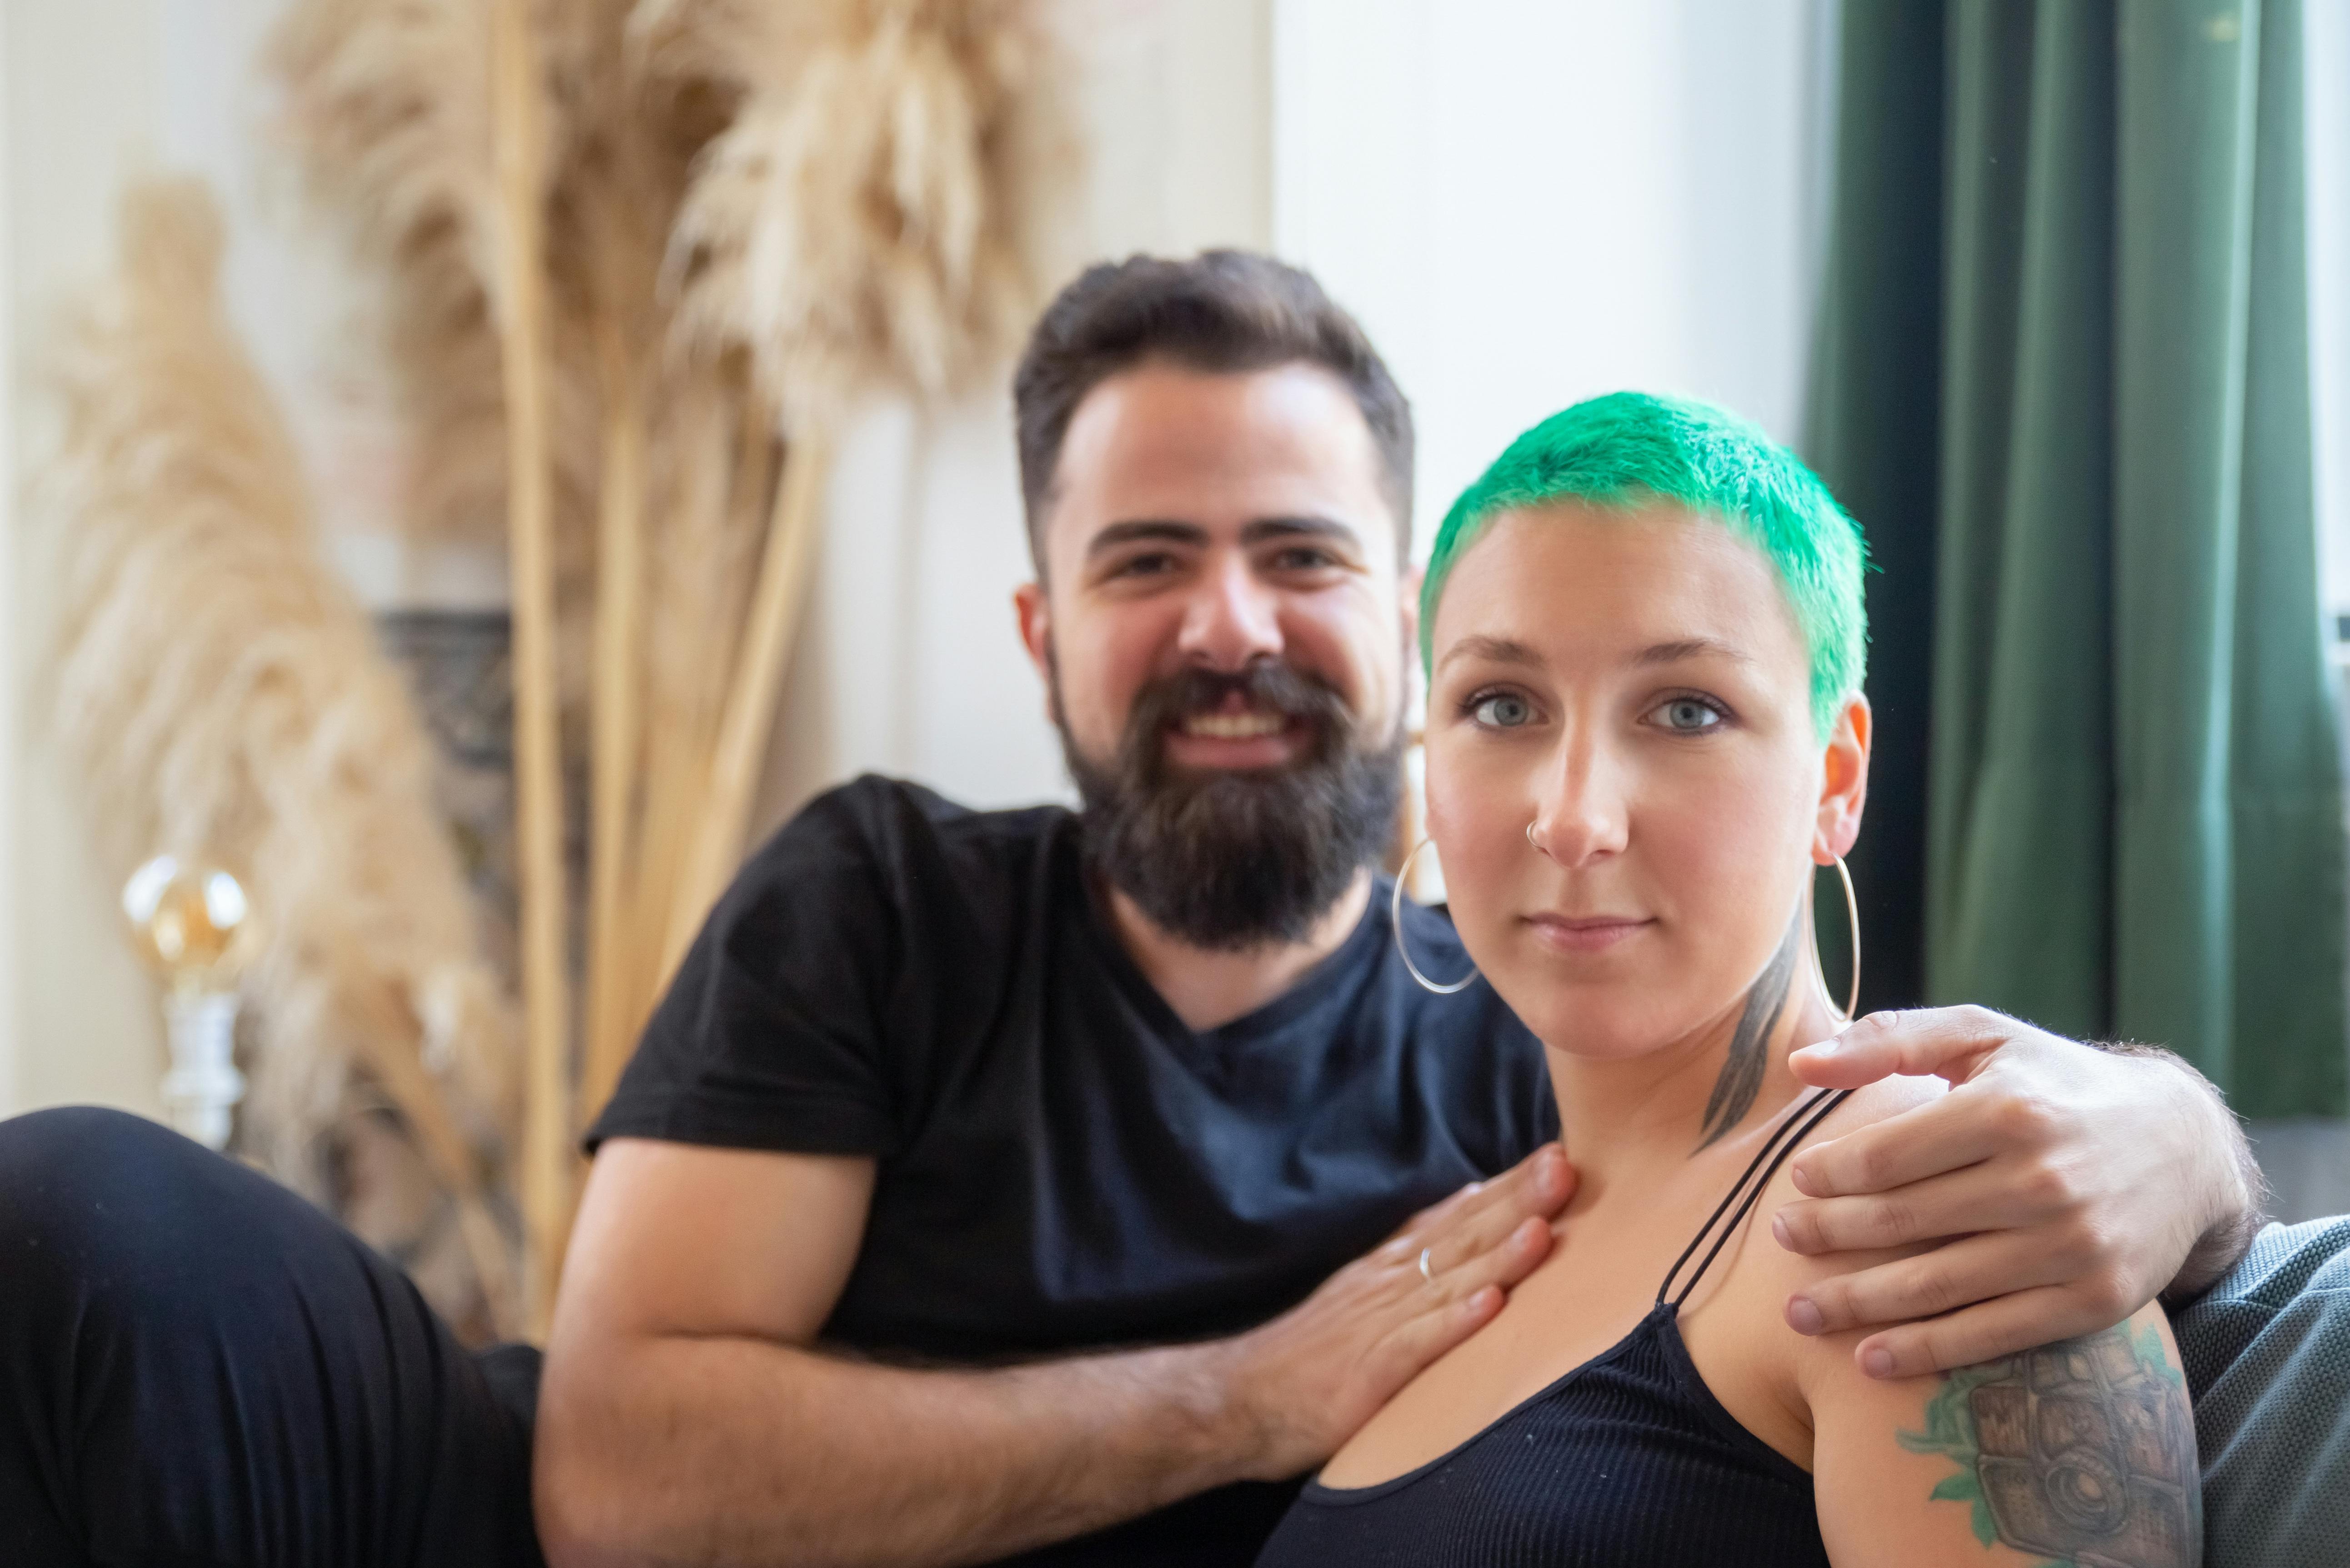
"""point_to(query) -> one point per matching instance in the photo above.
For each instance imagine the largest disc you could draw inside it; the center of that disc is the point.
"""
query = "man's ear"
(1407, 582)
(1029, 603)
(1843, 782)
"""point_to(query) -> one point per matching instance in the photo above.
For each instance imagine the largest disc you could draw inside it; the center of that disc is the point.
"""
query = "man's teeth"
(1233, 726)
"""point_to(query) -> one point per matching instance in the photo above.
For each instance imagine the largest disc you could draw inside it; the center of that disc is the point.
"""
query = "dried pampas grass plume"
(222, 692)
(387, 110)
(388, 104)
(869, 217)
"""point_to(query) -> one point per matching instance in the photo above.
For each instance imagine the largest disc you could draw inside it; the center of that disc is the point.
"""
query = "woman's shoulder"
(1866, 1110)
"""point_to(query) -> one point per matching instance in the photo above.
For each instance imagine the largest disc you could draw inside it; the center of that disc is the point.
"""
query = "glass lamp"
(190, 923)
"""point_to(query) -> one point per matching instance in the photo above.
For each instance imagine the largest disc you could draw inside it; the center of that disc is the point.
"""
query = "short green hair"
(1629, 449)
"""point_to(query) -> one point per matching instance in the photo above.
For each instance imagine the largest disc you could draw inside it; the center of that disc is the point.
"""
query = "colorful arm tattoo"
(2083, 1451)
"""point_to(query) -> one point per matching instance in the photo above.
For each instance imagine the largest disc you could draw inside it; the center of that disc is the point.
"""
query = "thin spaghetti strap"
(1768, 1145)
(1808, 1114)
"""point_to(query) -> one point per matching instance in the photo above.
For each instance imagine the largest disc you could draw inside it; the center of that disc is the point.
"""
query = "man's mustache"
(1267, 685)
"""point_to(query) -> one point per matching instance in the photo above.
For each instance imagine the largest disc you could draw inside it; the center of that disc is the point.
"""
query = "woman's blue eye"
(1687, 715)
(1504, 711)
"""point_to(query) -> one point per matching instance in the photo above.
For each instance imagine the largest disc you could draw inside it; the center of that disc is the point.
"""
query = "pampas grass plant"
(864, 224)
(627, 248)
(221, 693)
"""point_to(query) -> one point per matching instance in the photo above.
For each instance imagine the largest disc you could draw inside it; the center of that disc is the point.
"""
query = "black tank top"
(1628, 1461)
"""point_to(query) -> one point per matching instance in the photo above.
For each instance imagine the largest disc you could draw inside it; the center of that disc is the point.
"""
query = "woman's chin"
(1596, 1035)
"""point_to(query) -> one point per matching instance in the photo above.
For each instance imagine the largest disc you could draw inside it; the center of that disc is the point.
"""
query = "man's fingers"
(1977, 1200)
(1428, 1335)
(1945, 1135)
(1462, 1300)
(1931, 1285)
(1944, 1039)
(1985, 1333)
(1477, 1219)
(1509, 1260)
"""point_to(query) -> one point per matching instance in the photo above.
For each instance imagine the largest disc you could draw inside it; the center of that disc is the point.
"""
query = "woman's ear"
(1843, 782)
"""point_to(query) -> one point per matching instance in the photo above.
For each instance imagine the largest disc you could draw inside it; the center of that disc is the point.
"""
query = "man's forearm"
(2238, 1190)
(741, 1452)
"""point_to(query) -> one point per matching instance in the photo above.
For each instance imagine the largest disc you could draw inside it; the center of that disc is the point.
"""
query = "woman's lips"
(1586, 933)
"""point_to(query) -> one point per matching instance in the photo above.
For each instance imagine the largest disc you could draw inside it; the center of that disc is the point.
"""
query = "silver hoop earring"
(1852, 915)
(1395, 924)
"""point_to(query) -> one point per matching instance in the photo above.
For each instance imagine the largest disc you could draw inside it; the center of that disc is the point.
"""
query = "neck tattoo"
(1750, 1048)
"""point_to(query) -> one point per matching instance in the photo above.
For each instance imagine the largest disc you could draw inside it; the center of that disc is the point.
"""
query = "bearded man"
(1040, 1185)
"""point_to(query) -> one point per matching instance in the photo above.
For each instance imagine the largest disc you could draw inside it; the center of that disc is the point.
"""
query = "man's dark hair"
(1222, 312)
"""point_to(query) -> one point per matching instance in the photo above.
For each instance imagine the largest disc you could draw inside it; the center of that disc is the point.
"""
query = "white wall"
(82, 81)
(1529, 202)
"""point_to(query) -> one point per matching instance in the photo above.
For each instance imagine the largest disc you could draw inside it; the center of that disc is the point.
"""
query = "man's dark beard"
(1229, 860)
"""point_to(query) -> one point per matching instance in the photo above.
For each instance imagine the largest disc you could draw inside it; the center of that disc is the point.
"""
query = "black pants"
(199, 1369)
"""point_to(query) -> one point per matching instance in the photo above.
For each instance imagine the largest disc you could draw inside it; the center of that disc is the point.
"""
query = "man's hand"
(2075, 1184)
(1307, 1379)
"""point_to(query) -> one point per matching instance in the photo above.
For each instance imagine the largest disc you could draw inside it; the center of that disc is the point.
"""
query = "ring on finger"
(1426, 1273)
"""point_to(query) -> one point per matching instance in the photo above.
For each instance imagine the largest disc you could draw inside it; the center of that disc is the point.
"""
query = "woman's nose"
(1581, 817)
(1231, 618)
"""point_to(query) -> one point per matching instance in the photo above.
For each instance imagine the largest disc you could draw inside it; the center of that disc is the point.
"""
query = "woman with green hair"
(1644, 639)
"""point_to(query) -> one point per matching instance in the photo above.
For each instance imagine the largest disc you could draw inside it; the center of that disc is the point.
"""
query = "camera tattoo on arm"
(2083, 1451)
(1740, 1079)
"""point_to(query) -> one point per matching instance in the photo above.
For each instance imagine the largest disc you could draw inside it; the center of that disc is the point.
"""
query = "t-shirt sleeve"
(771, 1036)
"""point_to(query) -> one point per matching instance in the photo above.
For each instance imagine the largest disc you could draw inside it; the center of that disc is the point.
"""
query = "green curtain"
(1873, 434)
(2133, 801)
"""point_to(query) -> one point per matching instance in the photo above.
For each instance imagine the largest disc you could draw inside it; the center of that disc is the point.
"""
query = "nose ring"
(1530, 837)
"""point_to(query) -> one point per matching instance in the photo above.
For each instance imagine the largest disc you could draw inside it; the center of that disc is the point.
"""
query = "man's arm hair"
(690, 1416)
(730, 1451)
(2241, 1190)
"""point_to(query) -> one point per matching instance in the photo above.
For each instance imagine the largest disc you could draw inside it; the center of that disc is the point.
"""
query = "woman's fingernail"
(1804, 1318)
(1876, 1362)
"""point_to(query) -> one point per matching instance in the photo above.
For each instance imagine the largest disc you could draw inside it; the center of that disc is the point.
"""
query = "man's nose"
(1231, 618)
(1580, 814)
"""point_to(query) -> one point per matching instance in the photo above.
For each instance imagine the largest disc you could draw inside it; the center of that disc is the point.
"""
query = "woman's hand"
(2075, 1185)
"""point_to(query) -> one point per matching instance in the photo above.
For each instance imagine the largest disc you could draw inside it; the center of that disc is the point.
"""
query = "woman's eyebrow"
(1498, 649)
(1688, 647)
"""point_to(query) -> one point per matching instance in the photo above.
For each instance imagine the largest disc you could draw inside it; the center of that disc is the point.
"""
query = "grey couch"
(2268, 1360)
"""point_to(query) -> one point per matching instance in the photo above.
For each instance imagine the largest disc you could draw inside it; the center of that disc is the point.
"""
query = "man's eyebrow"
(1498, 649)
(1689, 647)
(1164, 530)
(1309, 527)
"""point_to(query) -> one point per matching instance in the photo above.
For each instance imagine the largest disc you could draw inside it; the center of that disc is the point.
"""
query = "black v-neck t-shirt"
(1062, 1165)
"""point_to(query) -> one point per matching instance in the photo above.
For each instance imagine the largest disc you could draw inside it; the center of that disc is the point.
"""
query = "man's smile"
(1236, 734)
(1235, 726)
